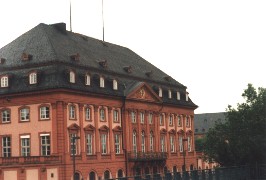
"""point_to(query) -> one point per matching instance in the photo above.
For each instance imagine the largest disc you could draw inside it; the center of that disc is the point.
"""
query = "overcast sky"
(214, 48)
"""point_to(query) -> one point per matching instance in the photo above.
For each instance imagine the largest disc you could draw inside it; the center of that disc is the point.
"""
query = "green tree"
(242, 138)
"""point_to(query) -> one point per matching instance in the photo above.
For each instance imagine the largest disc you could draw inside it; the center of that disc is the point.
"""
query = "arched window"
(77, 176)
(142, 141)
(106, 174)
(134, 140)
(4, 81)
(120, 173)
(87, 80)
(115, 87)
(92, 176)
(174, 169)
(33, 78)
(165, 170)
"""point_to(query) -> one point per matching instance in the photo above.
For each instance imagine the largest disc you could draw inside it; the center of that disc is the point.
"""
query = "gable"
(143, 92)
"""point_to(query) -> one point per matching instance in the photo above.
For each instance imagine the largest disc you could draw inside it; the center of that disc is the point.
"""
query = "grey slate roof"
(203, 122)
(51, 47)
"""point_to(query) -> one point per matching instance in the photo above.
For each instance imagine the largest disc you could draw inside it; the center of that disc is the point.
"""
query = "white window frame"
(45, 144)
(75, 144)
(117, 144)
(151, 142)
(89, 143)
(33, 78)
(72, 111)
(104, 143)
(162, 140)
(44, 112)
(150, 118)
(101, 82)
(133, 117)
(178, 95)
(142, 117)
(87, 113)
(161, 119)
(4, 81)
(180, 140)
(6, 146)
(187, 121)
(179, 120)
(115, 86)
(24, 114)
(172, 143)
(102, 114)
(189, 144)
(6, 116)
(143, 141)
(171, 120)
(72, 78)
(116, 115)
(134, 141)
(87, 80)
(160, 92)
(187, 96)
(25, 145)
(169, 94)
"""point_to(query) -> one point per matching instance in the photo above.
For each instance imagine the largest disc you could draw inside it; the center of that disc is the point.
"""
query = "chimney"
(60, 27)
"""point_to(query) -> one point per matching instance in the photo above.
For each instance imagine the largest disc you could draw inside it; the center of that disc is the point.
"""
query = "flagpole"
(102, 20)
(70, 17)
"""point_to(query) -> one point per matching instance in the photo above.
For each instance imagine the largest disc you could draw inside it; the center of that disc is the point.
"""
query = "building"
(65, 96)
(203, 122)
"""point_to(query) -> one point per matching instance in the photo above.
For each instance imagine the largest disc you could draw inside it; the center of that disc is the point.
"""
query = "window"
(5, 114)
(187, 96)
(73, 144)
(179, 121)
(24, 114)
(4, 81)
(187, 121)
(89, 144)
(151, 141)
(133, 117)
(180, 140)
(6, 146)
(25, 145)
(178, 95)
(33, 78)
(45, 145)
(87, 80)
(103, 143)
(101, 82)
(150, 118)
(102, 114)
(72, 77)
(142, 117)
(160, 92)
(170, 120)
(134, 140)
(117, 144)
(172, 143)
(189, 143)
(72, 112)
(116, 119)
(163, 149)
(115, 87)
(169, 94)
(142, 141)
(44, 112)
(161, 120)
(87, 113)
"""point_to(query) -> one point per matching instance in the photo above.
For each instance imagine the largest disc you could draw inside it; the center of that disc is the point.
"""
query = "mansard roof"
(52, 51)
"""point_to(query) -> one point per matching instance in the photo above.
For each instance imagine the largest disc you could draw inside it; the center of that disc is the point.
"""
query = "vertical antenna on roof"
(103, 20)
(70, 18)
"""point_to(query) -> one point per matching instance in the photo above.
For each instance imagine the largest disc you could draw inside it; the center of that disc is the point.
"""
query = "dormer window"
(71, 77)
(115, 84)
(160, 92)
(178, 95)
(2, 60)
(4, 81)
(87, 80)
(26, 57)
(187, 96)
(128, 69)
(75, 57)
(33, 78)
(101, 82)
(169, 94)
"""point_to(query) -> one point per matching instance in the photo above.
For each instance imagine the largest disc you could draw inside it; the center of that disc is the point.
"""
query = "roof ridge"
(47, 37)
